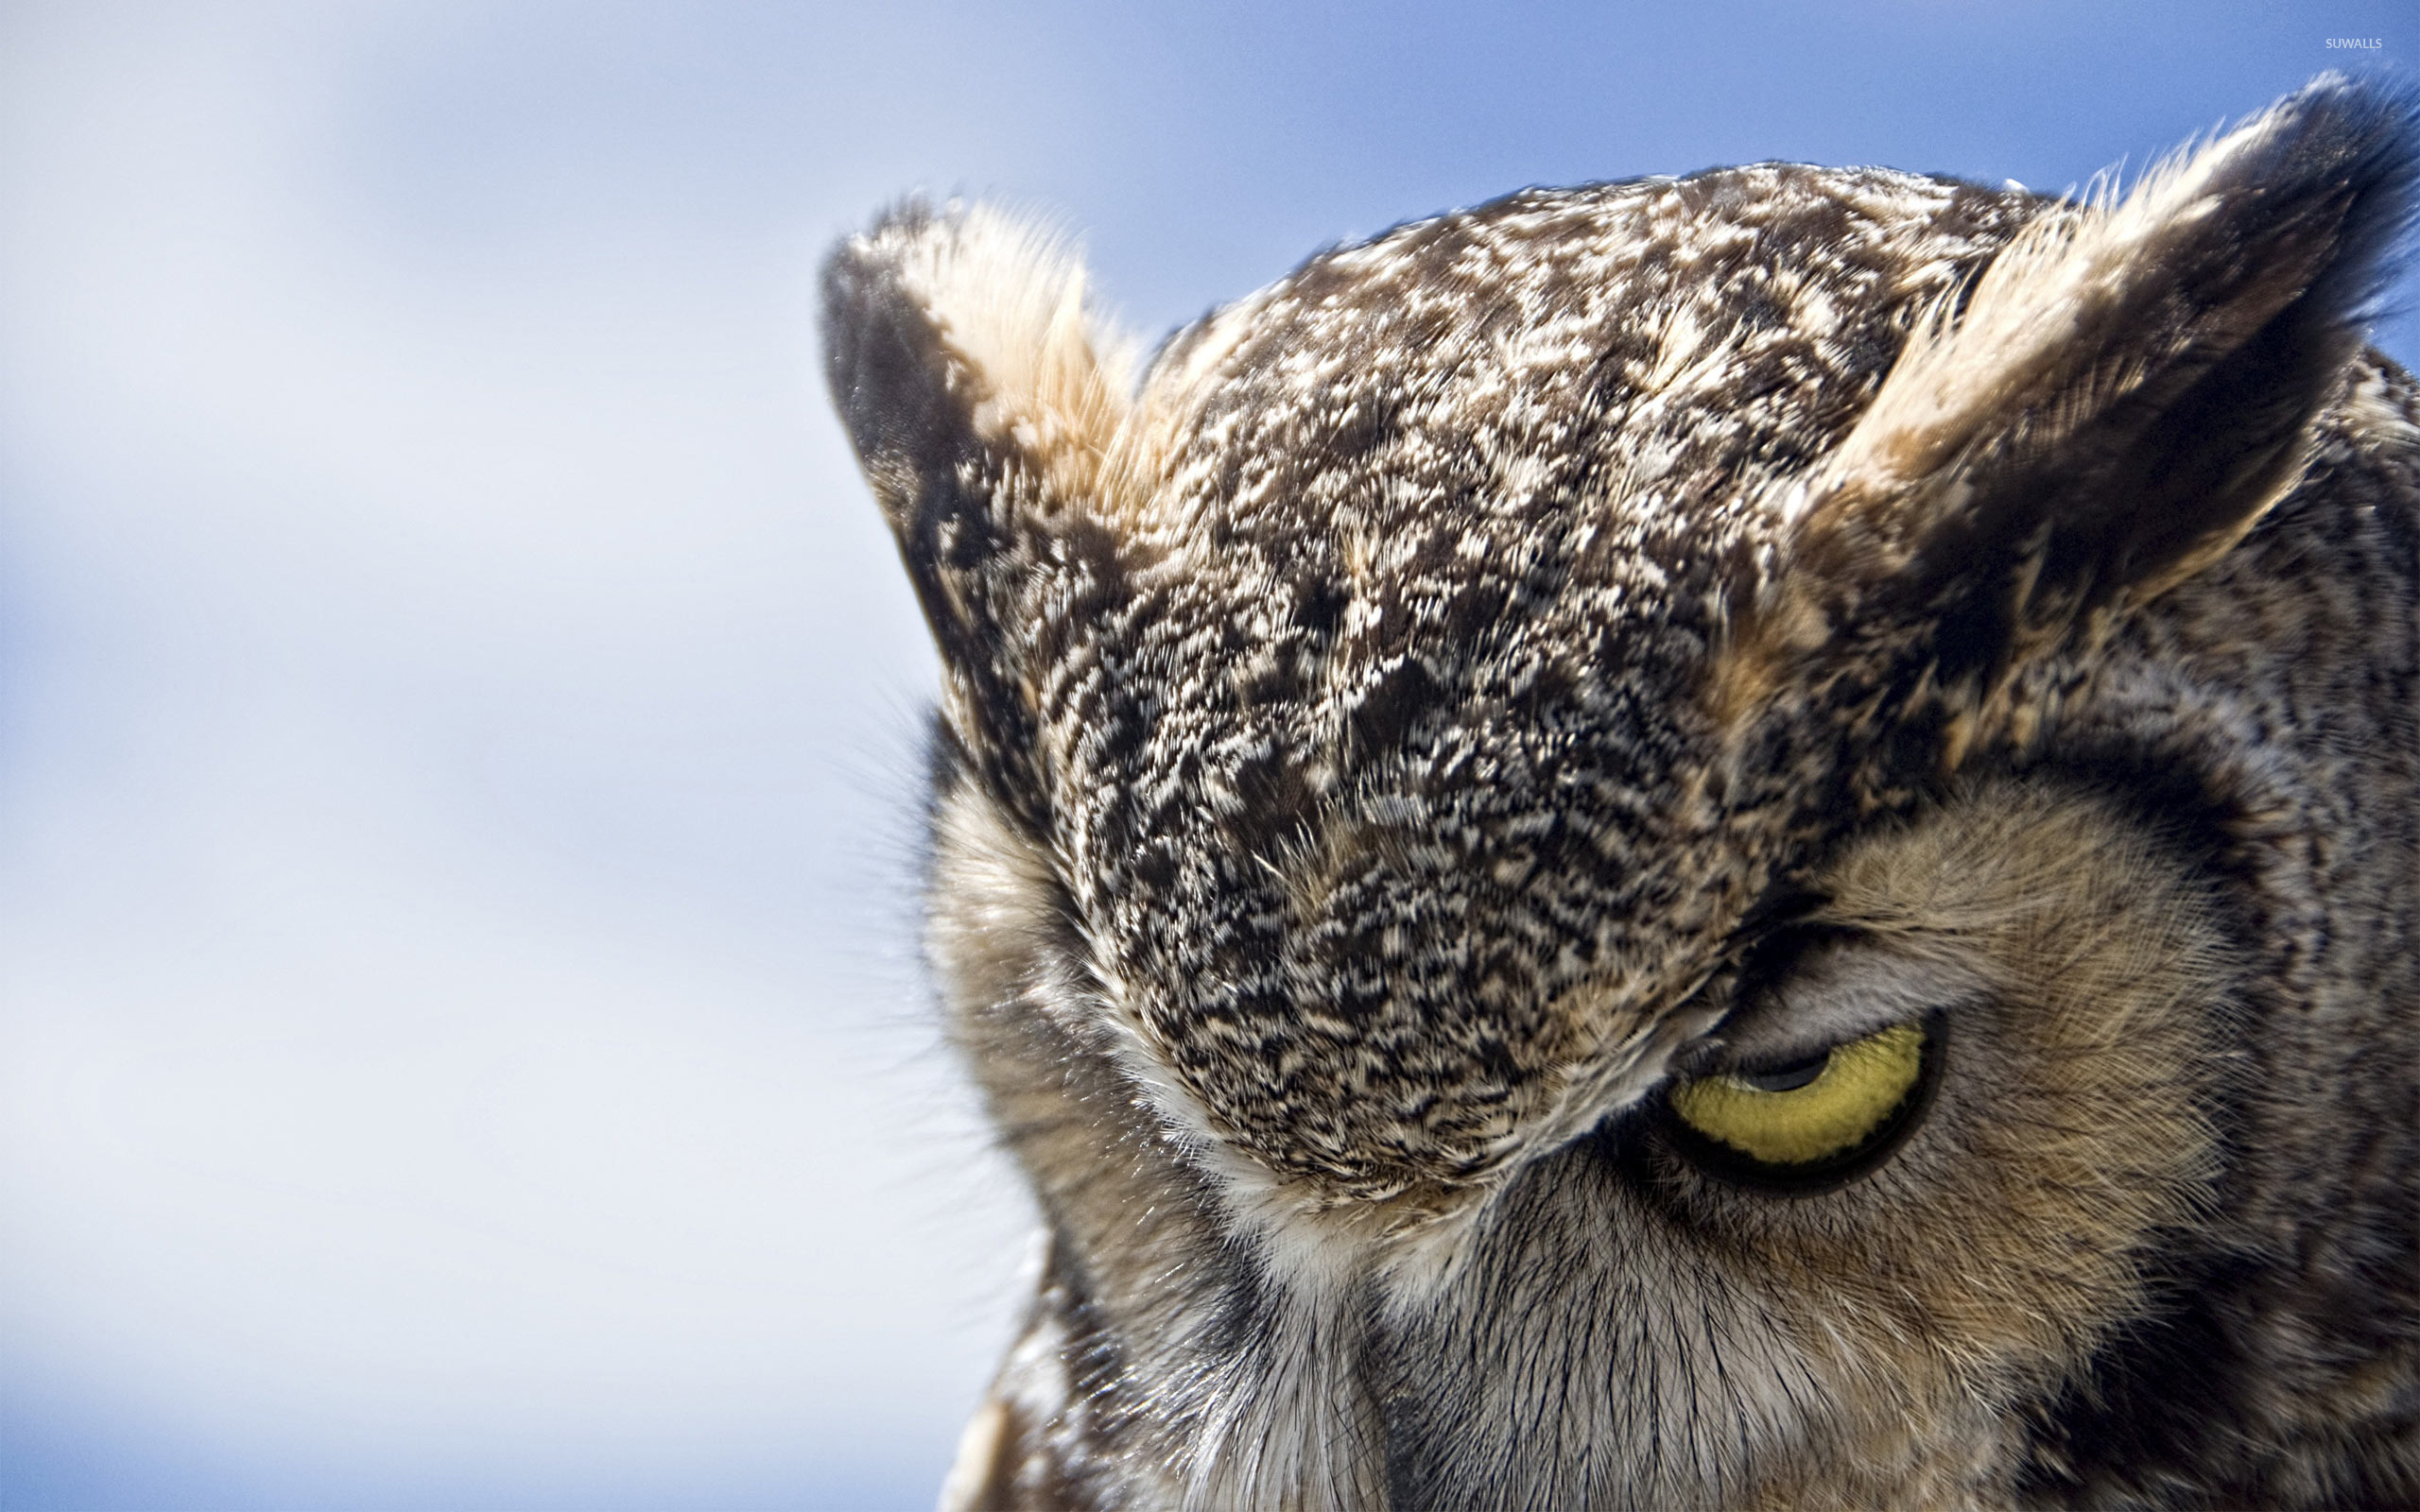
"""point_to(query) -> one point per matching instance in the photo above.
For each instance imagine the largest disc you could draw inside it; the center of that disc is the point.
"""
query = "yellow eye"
(1813, 1118)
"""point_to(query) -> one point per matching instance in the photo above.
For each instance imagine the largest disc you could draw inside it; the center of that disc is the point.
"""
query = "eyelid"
(1838, 988)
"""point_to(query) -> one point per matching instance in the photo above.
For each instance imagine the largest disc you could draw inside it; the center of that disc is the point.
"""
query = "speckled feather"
(1372, 749)
(1363, 724)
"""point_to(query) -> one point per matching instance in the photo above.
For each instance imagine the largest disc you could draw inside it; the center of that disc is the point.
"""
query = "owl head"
(1743, 839)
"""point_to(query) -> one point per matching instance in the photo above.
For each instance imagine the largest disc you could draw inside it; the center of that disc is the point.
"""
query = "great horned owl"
(1743, 840)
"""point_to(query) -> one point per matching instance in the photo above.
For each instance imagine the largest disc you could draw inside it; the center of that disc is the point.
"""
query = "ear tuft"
(992, 417)
(2289, 213)
(995, 306)
(2124, 392)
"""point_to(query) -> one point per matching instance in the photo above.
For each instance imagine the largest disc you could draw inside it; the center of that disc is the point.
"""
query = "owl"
(1747, 840)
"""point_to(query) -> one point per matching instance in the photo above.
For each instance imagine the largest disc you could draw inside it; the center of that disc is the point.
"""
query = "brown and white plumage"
(1659, 634)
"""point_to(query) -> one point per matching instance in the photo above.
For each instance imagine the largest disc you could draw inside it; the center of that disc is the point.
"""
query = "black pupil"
(1787, 1079)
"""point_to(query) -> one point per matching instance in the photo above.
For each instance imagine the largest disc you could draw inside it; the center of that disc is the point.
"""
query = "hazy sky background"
(459, 1042)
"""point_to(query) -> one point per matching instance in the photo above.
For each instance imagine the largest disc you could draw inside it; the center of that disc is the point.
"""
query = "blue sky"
(459, 1042)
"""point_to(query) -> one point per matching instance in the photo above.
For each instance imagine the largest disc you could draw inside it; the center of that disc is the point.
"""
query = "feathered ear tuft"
(2125, 391)
(991, 414)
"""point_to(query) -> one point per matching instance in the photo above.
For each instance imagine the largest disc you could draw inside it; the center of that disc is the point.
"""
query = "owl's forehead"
(1636, 361)
(1484, 485)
